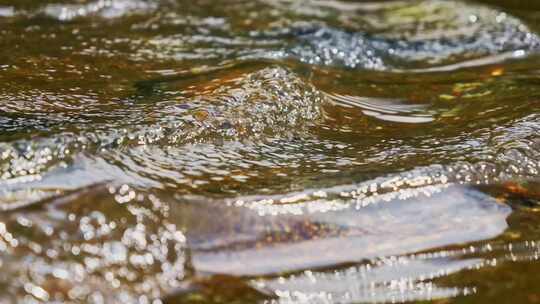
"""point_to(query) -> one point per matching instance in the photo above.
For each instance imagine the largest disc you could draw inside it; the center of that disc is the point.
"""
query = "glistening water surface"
(269, 151)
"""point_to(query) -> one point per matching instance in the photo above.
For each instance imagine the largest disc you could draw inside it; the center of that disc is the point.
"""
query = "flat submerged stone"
(242, 242)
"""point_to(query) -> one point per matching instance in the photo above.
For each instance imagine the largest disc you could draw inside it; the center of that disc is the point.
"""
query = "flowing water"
(269, 151)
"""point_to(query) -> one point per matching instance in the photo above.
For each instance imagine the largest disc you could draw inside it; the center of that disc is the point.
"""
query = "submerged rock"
(271, 102)
(262, 241)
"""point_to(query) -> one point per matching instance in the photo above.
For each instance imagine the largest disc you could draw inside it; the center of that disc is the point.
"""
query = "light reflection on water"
(267, 151)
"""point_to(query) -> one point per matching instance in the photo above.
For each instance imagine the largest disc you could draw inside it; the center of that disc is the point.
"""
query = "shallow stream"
(269, 151)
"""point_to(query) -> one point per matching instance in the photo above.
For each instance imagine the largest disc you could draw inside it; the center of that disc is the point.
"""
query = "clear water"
(170, 151)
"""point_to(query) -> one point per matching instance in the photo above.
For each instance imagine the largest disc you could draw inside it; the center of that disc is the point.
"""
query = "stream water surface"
(269, 151)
